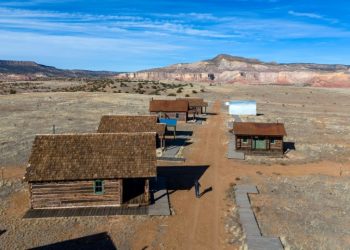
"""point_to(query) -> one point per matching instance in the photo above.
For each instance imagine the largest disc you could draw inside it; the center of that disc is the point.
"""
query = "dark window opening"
(98, 187)
(177, 115)
(272, 141)
(245, 140)
(133, 190)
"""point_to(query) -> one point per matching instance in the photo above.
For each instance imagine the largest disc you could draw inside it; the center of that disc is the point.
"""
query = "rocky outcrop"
(230, 69)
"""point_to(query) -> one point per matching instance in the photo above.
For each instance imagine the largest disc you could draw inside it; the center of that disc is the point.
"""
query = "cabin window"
(98, 187)
(177, 115)
(272, 141)
(245, 140)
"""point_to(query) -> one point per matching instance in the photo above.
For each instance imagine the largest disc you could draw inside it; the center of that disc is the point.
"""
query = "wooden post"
(53, 129)
(121, 191)
(2, 174)
(147, 198)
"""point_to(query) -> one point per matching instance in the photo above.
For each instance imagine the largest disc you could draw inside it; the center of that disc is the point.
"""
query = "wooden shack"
(133, 124)
(173, 109)
(87, 170)
(196, 104)
(259, 138)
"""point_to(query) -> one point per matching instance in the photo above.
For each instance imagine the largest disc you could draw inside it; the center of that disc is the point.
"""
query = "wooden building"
(86, 170)
(174, 109)
(197, 104)
(133, 124)
(259, 138)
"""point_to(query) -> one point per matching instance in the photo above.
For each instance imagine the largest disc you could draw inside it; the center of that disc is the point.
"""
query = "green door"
(260, 144)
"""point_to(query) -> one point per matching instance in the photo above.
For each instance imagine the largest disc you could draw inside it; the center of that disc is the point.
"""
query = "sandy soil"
(197, 223)
(200, 223)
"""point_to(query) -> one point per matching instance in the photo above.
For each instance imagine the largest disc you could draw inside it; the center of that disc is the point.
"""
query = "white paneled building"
(241, 107)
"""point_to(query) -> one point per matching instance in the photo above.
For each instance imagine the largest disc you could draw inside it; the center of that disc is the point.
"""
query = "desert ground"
(303, 196)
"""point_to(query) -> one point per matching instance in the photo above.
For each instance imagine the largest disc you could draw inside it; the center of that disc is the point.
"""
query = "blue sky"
(139, 34)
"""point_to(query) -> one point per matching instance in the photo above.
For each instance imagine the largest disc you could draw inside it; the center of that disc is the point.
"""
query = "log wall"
(248, 146)
(74, 194)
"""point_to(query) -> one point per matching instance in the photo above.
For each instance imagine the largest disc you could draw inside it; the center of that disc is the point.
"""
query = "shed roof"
(168, 106)
(195, 102)
(241, 102)
(92, 156)
(168, 122)
(130, 124)
(253, 128)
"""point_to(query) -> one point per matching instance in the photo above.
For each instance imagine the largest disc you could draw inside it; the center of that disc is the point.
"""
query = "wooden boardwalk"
(85, 211)
(160, 206)
(254, 239)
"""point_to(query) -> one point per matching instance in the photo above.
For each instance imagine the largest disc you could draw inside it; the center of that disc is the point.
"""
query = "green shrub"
(171, 94)
(194, 91)
(12, 91)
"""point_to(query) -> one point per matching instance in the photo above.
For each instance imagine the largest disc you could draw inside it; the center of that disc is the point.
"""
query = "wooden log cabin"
(259, 138)
(88, 170)
(173, 109)
(196, 104)
(132, 124)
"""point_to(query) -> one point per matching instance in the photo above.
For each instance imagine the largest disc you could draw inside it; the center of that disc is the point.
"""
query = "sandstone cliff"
(230, 69)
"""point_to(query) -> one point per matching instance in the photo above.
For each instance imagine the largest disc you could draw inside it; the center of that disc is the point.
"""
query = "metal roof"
(168, 122)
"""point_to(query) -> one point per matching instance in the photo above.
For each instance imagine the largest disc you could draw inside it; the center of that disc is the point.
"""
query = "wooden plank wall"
(278, 145)
(74, 194)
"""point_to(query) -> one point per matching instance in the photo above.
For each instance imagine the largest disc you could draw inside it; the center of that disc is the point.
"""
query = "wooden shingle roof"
(195, 102)
(130, 124)
(92, 156)
(254, 128)
(168, 106)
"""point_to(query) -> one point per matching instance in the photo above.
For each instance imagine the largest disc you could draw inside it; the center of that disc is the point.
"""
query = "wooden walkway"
(254, 239)
(160, 206)
(85, 211)
(232, 153)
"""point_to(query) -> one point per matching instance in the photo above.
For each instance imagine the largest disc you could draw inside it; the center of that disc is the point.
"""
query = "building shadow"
(2, 232)
(183, 133)
(211, 113)
(169, 144)
(288, 146)
(181, 177)
(91, 242)
(259, 114)
(201, 119)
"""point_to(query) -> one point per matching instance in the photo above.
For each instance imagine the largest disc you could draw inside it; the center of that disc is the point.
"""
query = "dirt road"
(199, 223)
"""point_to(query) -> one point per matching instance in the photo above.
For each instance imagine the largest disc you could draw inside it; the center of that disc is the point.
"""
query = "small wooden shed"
(86, 170)
(197, 104)
(174, 109)
(132, 124)
(259, 138)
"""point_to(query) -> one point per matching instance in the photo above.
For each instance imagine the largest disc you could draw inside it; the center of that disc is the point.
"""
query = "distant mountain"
(25, 70)
(232, 69)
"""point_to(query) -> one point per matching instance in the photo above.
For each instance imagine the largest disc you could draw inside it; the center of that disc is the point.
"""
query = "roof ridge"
(95, 133)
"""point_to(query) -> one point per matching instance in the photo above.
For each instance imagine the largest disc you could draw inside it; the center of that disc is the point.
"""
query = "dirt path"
(199, 223)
